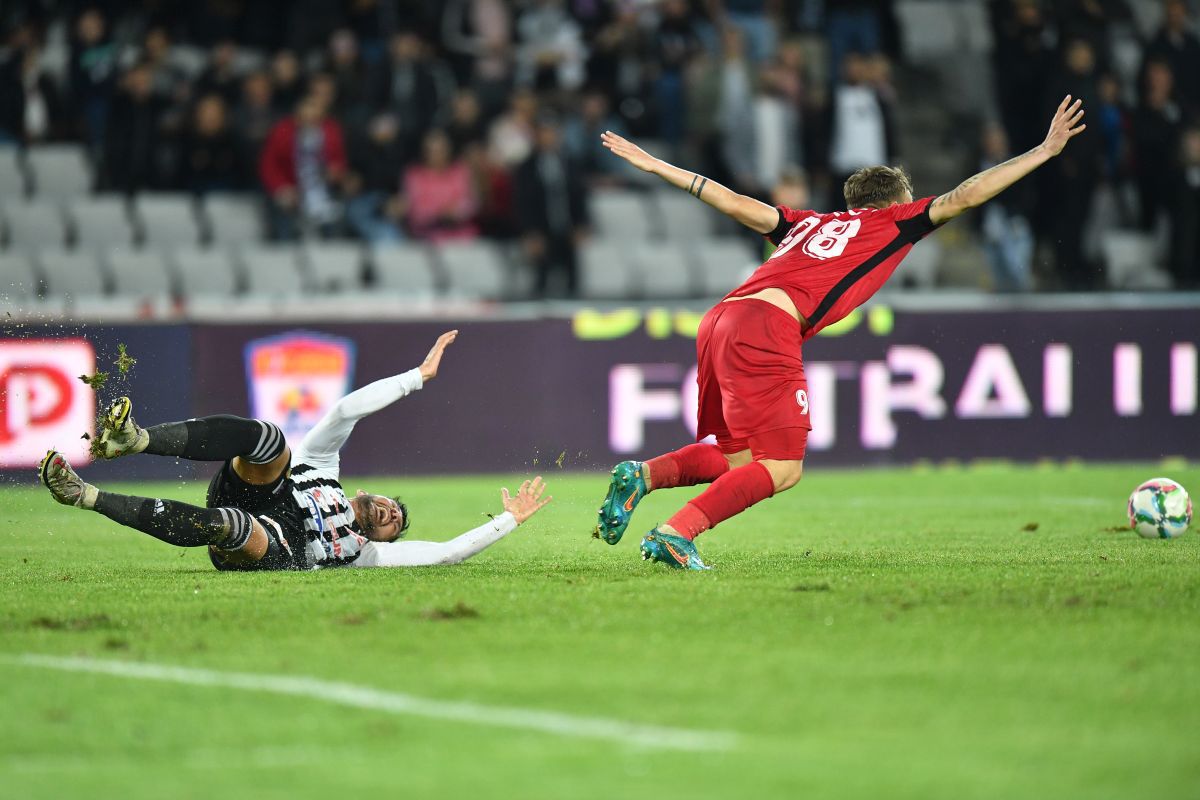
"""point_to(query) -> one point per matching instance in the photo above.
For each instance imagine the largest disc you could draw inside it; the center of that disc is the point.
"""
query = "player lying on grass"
(269, 508)
(753, 396)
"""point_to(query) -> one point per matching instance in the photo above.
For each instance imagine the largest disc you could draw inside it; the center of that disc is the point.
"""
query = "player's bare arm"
(978, 189)
(755, 215)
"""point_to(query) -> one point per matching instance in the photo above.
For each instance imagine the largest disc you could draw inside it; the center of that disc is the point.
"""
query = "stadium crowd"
(453, 119)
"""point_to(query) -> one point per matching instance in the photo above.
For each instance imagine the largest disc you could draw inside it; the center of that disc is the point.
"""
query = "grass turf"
(960, 633)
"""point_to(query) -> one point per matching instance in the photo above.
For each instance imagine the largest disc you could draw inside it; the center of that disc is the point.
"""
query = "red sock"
(696, 463)
(731, 494)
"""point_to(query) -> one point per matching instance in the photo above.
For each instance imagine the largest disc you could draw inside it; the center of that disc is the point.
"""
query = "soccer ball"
(1160, 509)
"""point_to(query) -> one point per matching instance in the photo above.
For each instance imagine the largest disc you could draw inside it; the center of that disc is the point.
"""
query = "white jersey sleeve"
(320, 446)
(427, 554)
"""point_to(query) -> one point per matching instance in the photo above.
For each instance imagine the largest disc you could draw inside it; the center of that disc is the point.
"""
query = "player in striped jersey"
(270, 508)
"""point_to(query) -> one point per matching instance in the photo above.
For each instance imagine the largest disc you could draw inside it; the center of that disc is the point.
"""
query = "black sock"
(178, 523)
(218, 438)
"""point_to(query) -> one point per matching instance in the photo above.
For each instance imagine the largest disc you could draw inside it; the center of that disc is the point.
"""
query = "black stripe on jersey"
(781, 230)
(911, 230)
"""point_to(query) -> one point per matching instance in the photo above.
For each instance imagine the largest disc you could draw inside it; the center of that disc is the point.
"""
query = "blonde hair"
(876, 187)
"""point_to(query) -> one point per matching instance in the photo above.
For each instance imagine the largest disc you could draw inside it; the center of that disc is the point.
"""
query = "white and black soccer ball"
(1160, 509)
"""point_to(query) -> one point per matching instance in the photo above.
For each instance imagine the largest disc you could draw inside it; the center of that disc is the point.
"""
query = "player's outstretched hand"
(528, 501)
(1064, 126)
(429, 366)
(628, 151)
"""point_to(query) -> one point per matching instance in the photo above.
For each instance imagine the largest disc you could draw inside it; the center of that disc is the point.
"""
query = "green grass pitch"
(912, 633)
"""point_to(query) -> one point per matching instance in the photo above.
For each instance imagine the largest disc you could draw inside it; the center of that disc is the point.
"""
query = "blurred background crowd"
(393, 120)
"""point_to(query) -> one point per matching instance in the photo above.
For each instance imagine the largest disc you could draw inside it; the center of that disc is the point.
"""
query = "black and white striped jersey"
(334, 537)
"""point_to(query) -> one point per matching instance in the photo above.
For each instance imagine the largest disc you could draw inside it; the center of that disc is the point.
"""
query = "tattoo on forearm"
(693, 186)
(697, 189)
(957, 193)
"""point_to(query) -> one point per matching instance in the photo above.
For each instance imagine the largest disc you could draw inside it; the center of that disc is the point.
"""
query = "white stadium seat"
(684, 218)
(272, 270)
(32, 226)
(474, 269)
(665, 270)
(723, 264)
(18, 278)
(138, 273)
(404, 268)
(335, 267)
(1129, 261)
(621, 214)
(606, 271)
(167, 219)
(101, 221)
(208, 272)
(920, 267)
(233, 219)
(59, 171)
(12, 176)
(73, 273)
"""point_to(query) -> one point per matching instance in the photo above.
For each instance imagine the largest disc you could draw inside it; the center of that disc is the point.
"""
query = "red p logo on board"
(43, 404)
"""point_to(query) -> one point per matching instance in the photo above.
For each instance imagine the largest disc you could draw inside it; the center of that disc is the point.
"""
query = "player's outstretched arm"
(978, 189)
(517, 508)
(323, 442)
(755, 215)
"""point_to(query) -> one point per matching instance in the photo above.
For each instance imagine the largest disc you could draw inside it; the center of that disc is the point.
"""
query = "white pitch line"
(396, 703)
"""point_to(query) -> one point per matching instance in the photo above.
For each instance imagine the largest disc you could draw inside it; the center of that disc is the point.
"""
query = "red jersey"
(829, 264)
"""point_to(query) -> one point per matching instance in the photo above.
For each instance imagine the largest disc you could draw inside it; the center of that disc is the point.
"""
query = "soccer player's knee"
(271, 444)
(236, 527)
(786, 474)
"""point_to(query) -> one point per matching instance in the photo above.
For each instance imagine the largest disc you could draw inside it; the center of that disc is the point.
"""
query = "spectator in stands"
(1112, 122)
(552, 209)
(168, 78)
(551, 53)
(373, 211)
(1004, 222)
(510, 138)
(1185, 204)
(581, 137)
(1069, 182)
(852, 26)
(221, 76)
(479, 33)
(1156, 125)
(675, 43)
(494, 187)
(210, 161)
(754, 19)
(287, 81)
(301, 168)
(734, 107)
(253, 119)
(861, 122)
(1021, 62)
(92, 76)
(439, 193)
(776, 126)
(414, 86)
(30, 107)
(1177, 45)
(466, 126)
(133, 141)
(346, 69)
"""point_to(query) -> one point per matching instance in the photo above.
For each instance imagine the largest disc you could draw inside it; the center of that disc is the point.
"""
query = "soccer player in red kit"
(753, 396)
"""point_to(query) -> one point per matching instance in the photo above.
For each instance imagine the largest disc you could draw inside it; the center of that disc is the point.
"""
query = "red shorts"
(753, 394)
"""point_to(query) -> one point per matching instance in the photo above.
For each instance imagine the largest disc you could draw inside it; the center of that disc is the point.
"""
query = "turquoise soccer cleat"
(674, 551)
(625, 491)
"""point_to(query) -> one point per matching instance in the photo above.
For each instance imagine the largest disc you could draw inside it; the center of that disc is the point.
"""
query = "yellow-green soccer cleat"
(65, 486)
(120, 435)
(674, 551)
(625, 490)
